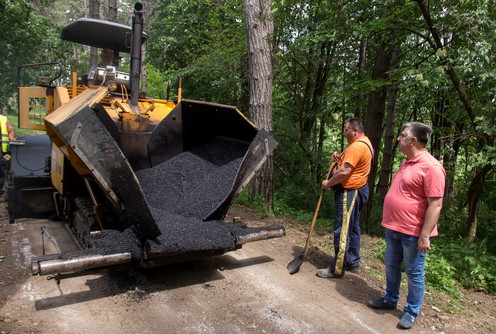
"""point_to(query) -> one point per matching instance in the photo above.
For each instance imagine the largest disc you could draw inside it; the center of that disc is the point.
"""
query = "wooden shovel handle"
(316, 213)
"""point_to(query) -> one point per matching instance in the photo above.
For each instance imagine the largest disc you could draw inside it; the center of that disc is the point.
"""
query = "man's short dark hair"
(355, 124)
(420, 131)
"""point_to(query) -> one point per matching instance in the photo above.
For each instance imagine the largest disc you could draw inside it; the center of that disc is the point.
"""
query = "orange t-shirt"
(358, 155)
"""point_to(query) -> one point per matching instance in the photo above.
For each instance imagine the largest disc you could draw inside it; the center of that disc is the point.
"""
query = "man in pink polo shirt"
(411, 210)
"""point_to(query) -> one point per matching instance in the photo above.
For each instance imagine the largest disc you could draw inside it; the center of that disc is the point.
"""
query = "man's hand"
(430, 221)
(339, 175)
(424, 244)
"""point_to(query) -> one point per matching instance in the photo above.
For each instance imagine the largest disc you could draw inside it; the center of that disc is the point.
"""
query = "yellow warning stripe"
(345, 227)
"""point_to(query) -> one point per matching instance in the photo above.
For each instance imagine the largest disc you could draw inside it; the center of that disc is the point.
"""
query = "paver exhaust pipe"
(136, 53)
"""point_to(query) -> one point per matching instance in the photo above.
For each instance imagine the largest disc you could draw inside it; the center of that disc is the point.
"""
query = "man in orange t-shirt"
(351, 192)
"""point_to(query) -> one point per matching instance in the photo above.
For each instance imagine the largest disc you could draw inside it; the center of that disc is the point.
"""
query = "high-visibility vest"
(5, 134)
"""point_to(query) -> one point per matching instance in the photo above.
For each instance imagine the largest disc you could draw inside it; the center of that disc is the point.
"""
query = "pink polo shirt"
(406, 201)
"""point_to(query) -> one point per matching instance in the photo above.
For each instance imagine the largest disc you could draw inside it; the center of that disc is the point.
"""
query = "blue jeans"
(348, 204)
(404, 248)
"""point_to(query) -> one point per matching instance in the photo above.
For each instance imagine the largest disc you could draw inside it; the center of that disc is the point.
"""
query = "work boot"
(407, 321)
(326, 273)
(382, 303)
(354, 270)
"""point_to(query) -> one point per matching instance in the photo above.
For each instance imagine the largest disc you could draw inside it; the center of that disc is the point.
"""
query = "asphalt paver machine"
(140, 182)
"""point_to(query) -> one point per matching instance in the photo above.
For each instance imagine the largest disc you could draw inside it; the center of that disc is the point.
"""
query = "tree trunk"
(320, 148)
(260, 27)
(390, 135)
(362, 60)
(94, 14)
(317, 86)
(144, 84)
(473, 195)
(389, 138)
(112, 10)
(244, 99)
(374, 122)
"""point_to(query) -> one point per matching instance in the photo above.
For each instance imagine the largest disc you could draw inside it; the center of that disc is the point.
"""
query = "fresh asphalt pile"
(112, 241)
(184, 190)
(195, 182)
(109, 242)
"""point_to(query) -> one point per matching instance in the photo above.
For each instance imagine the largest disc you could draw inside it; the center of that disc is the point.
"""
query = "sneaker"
(407, 321)
(382, 303)
(326, 273)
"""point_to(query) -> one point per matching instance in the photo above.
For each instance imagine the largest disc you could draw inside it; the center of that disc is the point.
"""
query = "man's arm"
(342, 173)
(10, 129)
(430, 221)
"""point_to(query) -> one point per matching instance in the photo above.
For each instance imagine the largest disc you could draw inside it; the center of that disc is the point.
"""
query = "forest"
(384, 62)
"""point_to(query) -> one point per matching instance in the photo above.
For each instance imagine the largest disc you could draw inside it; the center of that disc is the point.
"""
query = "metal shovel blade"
(294, 266)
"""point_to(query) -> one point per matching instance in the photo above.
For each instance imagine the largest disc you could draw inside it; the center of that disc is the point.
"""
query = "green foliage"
(255, 202)
(452, 264)
(157, 83)
(205, 43)
(380, 250)
(26, 37)
(441, 275)
(281, 208)
(472, 264)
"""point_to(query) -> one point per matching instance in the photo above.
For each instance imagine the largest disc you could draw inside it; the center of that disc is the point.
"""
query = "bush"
(280, 208)
(441, 275)
(255, 202)
(473, 263)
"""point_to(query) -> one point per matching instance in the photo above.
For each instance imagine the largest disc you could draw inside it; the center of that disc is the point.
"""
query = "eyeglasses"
(405, 136)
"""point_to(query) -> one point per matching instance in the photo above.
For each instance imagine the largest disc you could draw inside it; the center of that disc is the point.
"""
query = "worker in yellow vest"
(7, 135)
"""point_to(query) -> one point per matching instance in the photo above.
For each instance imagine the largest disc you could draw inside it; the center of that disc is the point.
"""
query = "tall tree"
(143, 71)
(112, 10)
(475, 114)
(94, 6)
(389, 135)
(375, 118)
(259, 28)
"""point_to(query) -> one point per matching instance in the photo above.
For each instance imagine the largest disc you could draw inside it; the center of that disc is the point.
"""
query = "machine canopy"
(101, 34)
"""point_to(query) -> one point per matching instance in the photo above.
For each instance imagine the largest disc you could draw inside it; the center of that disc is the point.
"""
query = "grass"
(14, 121)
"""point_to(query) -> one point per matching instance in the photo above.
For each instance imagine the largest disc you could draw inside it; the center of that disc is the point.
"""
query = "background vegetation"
(385, 62)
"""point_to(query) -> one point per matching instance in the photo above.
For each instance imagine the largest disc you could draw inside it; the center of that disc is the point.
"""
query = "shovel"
(294, 266)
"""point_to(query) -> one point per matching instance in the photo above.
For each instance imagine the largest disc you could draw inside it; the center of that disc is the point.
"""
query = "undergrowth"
(472, 263)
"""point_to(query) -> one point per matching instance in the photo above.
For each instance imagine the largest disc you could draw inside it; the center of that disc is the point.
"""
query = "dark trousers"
(3, 174)
(348, 204)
